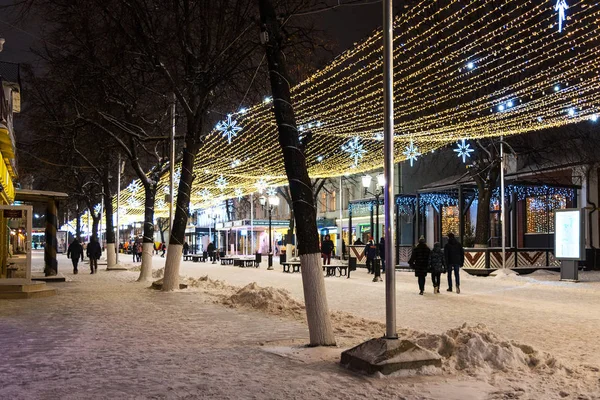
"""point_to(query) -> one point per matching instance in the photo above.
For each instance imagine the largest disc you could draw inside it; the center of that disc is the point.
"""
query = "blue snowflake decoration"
(98, 208)
(261, 185)
(272, 191)
(228, 128)
(355, 149)
(239, 193)
(133, 202)
(221, 183)
(134, 187)
(205, 194)
(411, 152)
(463, 150)
(161, 204)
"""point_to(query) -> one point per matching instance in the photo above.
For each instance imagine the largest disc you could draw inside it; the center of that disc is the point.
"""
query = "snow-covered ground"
(106, 336)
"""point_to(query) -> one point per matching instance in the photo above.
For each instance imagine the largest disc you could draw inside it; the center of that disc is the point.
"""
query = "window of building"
(323, 202)
(332, 201)
(540, 216)
(450, 219)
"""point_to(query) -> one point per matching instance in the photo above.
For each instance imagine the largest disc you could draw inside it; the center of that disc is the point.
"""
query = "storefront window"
(450, 219)
(540, 217)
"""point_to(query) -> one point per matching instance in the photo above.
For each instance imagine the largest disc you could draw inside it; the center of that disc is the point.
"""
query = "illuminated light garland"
(442, 100)
(228, 128)
(463, 150)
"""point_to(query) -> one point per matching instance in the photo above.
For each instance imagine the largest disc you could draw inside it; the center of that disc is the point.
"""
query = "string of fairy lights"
(463, 70)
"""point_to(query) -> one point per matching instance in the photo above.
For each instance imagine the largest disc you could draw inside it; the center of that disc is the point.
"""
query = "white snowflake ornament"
(463, 150)
(411, 152)
(221, 183)
(355, 149)
(228, 128)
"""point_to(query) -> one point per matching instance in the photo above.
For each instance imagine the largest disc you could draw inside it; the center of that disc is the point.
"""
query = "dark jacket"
(186, 248)
(75, 250)
(327, 247)
(371, 251)
(382, 249)
(93, 250)
(419, 260)
(358, 242)
(210, 248)
(454, 253)
(436, 261)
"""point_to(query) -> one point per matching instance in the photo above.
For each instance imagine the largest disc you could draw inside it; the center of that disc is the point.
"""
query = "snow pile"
(544, 273)
(210, 285)
(476, 348)
(504, 273)
(267, 299)
(158, 273)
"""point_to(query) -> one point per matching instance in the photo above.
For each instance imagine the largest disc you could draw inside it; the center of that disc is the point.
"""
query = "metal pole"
(101, 215)
(341, 231)
(252, 223)
(172, 165)
(388, 169)
(503, 232)
(118, 208)
(270, 257)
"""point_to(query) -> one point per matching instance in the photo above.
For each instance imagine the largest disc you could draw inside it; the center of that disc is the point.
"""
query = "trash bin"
(352, 264)
(259, 257)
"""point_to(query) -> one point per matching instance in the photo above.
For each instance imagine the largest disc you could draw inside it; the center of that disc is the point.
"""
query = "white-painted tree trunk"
(111, 256)
(146, 271)
(317, 311)
(171, 278)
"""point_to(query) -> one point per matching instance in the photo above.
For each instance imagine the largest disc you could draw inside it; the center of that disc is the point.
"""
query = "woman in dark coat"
(326, 250)
(437, 266)
(419, 261)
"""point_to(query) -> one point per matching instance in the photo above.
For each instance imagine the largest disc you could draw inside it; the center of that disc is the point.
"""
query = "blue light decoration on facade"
(524, 191)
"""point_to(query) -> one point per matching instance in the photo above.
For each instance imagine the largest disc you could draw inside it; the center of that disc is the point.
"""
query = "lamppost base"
(270, 263)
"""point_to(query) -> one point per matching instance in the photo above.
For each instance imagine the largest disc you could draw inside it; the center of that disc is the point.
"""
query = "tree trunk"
(78, 226)
(95, 223)
(175, 249)
(148, 239)
(315, 299)
(482, 229)
(111, 258)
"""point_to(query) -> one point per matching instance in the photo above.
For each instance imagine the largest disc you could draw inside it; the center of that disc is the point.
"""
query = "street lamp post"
(212, 214)
(273, 202)
(366, 182)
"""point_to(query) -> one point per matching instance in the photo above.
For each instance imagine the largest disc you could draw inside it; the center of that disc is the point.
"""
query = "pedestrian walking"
(382, 254)
(326, 250)
(134, 251)
(343, 249)
(186, 248)
(211, 251)
(437, 266)
(75, 251)
(163, 247)
(419, 261)
(454, 257)
(139, 250)
(93, 253)
(371, 253)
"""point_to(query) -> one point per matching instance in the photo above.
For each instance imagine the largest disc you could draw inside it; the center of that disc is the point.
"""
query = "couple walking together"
(436, 261)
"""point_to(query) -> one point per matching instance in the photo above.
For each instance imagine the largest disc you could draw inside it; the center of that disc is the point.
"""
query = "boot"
(449, 289)
(75, 271)
(457, 290)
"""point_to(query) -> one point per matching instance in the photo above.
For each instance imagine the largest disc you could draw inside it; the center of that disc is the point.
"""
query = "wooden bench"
(194, 257)
(228, 260)
(330, 270)
(246, 262)
(295, 266)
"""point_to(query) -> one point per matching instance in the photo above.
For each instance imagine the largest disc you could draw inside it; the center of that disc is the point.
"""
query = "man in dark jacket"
(211, 252)
(371, 253)
(326, 250)
(419, 261)
(94, 252)
(454, 256)
(74, 252)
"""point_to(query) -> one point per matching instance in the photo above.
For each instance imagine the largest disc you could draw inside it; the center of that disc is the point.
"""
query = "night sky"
(344, 26)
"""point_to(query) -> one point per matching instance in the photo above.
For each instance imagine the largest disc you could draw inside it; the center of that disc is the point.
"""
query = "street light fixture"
(212, 214)
(366, 182)
(273, 202)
